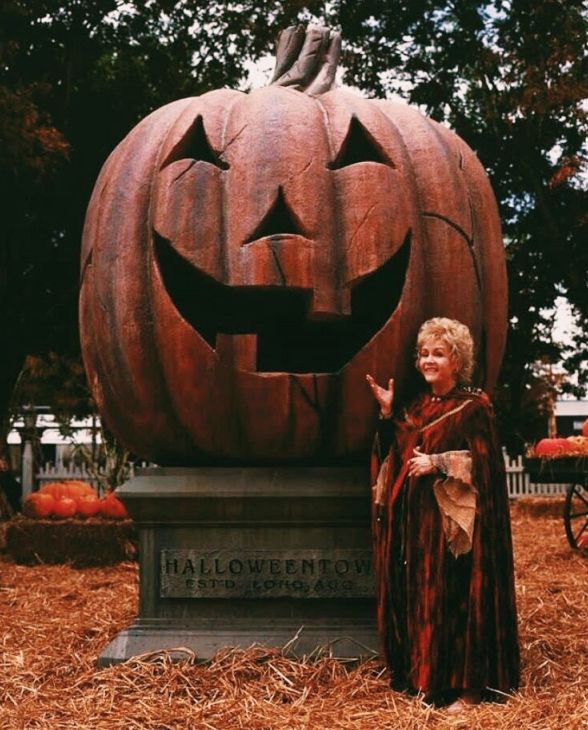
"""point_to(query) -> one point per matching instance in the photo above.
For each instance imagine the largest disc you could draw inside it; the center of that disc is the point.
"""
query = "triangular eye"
(194, 145)
(359, 146)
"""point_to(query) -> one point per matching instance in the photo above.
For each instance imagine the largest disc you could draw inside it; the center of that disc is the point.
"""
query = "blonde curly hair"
(458, 339)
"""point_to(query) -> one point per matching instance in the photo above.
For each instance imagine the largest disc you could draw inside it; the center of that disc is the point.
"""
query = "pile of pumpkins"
(558, 447)
(72, 499)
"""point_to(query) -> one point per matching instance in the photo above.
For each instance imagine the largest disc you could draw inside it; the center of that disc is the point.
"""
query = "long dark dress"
(446, 623)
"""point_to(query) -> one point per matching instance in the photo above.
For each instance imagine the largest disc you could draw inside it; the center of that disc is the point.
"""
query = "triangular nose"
(279, 220)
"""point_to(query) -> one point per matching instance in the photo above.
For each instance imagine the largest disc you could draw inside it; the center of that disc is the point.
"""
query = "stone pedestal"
(242, 556)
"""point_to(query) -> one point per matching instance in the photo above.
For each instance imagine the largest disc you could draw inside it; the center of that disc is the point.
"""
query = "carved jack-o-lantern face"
(275, 250)
(248, 258)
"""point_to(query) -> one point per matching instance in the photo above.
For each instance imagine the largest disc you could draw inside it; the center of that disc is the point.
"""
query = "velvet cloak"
(446, 623)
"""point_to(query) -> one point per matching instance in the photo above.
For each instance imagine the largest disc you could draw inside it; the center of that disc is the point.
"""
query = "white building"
(570, 416)
(55, 446)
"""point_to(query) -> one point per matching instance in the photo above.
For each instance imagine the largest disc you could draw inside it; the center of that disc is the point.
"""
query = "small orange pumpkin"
(578, 444)
(73, 489)
(39, 505)
(585, 428)
(65, 508)
(88, 505)
(112, 508)
(553, 447)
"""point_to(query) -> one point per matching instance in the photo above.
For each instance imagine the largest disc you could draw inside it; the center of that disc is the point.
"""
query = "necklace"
(445, 396)
(453, 391)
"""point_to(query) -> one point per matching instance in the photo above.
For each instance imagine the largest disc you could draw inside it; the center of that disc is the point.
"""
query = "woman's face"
(437, 366)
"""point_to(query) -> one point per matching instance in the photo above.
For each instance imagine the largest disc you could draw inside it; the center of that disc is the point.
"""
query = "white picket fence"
(60, 473)
(519, 484)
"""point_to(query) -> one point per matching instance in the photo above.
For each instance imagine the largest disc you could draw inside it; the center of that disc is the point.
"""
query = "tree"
(31, 153)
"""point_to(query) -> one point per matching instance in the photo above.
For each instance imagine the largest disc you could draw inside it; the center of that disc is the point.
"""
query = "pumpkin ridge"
(486, 233)
(378, 124)
(452, 145)
(447, 144)
(335, 202)
(134, 141)
(360, 225)
(451, 142)
(469, 241)
(238, 96)
(327, 125)
(223, 225)
(182, 432)
(235, 136)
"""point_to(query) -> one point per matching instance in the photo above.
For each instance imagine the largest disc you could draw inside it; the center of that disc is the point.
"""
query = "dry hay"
(539, 507)
(83, 543)
(56, 620)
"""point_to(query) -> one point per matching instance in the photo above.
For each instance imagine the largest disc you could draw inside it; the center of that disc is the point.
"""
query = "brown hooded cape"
(446, 622)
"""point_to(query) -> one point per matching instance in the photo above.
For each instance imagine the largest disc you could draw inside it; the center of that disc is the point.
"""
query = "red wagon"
(571, 470)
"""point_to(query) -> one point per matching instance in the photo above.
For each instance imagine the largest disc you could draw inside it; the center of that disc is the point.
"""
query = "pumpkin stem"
(306, 59)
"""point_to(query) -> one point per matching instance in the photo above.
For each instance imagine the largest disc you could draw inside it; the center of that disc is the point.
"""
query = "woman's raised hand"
(384, 396)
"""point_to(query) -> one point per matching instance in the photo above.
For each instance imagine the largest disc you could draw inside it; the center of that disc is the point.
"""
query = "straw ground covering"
(55, 620)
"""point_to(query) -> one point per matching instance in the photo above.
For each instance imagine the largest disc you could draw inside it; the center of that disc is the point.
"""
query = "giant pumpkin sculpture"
(248, 258)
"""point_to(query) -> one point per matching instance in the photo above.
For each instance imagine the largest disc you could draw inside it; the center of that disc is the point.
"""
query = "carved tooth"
(237, 351)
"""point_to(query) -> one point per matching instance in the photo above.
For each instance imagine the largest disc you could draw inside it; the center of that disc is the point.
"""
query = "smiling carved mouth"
(287, 339)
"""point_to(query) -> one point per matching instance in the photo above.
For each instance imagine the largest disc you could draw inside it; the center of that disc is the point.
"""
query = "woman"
(443, 550)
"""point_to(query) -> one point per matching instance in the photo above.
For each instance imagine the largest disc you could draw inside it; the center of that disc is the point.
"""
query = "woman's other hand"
(420, 464)
(384, 396)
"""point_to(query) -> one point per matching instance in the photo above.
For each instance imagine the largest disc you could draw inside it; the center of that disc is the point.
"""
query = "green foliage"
(108, 462)
(57, 382)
